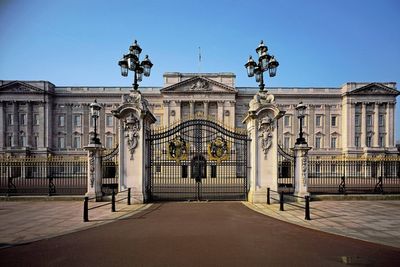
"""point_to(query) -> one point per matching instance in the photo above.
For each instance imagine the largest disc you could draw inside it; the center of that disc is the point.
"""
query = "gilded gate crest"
(178, 149)
(218, 149)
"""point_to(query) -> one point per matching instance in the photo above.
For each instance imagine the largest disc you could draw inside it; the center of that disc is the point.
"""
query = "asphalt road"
(199, 234)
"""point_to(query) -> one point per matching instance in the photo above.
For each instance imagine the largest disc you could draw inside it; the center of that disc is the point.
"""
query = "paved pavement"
(373, 221)
(199, 234)
(27, 221)
(196, 226)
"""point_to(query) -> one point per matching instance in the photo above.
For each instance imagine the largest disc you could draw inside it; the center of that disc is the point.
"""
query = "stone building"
(38, 117)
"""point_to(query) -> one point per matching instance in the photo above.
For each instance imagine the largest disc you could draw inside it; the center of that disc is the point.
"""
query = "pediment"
(20, 87)
(374, 89)
(199, 84)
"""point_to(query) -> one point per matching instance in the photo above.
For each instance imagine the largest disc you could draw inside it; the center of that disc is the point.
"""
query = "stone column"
(327, 127)
(94, 171)
(376, 125)
(177, 110)
(205, 109)
(363, 135)
(301, 170)
(42, 129)
(166, 112)
(135, 120)
(391, 119)
(16, 125)
(29, 123)
(3, 120)
(220, 111)
(191, 114)
(261, 121)
(68, 125)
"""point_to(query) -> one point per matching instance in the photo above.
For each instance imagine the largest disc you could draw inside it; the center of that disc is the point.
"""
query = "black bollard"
(113, 201)
(86, 209)
(307, 217)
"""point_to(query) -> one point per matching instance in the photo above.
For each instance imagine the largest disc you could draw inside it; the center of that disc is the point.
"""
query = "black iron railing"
(43, 176)
(354, 175)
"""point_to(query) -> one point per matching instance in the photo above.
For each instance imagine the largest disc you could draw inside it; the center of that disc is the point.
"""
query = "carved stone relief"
(91, 167)
(131, 128)
(266, 127)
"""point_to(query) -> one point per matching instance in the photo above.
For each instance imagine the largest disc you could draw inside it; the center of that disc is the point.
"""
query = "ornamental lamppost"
(131, 62)
(265, 62)
(300, 108)
(95, 113)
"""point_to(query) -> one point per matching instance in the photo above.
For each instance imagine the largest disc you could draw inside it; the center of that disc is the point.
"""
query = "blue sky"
(318, 43)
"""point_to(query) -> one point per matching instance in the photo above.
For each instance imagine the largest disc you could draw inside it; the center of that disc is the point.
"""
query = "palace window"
(357, 120)
(61, 120)
(77, 142)
(10, 119)
(369, 120)
(333, 142)
(109, 120)
(77, 121)
(36, 119)
(318, 142)
(286, 142)
(109, 142)
(9, 140)
(369, 141)
(23, 119)
(357, 141)
(333, 121)
(381, 141)
(318, 120)
(286, 120)
(23, 140)
(381, 120)
(61, 142)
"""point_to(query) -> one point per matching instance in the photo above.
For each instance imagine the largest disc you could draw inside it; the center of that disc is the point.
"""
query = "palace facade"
(38, 117)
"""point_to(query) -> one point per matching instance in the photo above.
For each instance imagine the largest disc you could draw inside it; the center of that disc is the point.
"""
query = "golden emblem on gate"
(218, 149)
(178, 149)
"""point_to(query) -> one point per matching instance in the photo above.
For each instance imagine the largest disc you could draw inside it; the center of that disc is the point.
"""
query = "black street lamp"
(300, 108)
(265, 62)
(95, 113)
(131, 62)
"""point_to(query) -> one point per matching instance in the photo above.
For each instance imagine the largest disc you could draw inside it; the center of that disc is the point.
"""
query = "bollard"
(281, 201)
(86, 209)
(268, 196)
(307, 217)
(113, 201)
(129, 196)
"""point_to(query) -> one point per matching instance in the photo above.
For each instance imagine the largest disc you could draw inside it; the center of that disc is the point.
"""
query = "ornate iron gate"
(197, 160)
(285, 170)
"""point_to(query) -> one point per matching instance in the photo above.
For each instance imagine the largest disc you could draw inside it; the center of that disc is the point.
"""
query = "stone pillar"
(166, 112)
(191, 114)
(375, 142)
(15, 139)
(363, 135)
(3, 120)
(205, 109)
(135, 120)
(29, 123)
(262, 121)
(41, 131)
(301, 169)
(94, 171)
(390, 124)
(220, 111)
